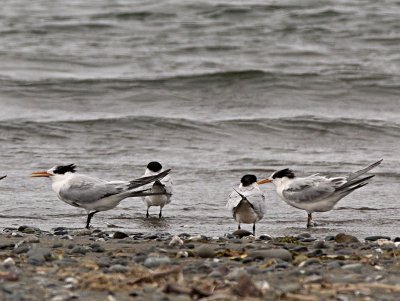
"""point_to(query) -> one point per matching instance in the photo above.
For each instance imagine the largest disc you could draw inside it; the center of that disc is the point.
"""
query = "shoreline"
(65, 264)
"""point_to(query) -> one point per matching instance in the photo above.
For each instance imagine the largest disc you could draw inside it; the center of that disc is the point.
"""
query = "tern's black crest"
(154, 166)
(248, 180)
(64, 169)
(283, 173)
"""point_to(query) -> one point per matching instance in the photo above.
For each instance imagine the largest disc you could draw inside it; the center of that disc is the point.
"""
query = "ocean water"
(213, 90)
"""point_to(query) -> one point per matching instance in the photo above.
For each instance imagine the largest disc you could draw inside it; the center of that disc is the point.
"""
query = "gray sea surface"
(212, 89)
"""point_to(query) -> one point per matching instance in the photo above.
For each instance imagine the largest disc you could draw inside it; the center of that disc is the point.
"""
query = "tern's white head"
(279, 177)
(55, 172)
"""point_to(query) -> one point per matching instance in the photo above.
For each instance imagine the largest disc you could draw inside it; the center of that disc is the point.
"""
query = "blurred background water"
(212, 89)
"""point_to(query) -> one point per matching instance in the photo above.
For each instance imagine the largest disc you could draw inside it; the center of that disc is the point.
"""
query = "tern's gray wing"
(356, 174)
(83, 189)
(257, 200)
(1, 178)
(308, 192)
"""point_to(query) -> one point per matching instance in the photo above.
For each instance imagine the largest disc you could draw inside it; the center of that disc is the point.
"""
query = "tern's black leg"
(89, 217)
(254, 229)
(147, 213)
(239, 227)
(160, 215)
(309, 220)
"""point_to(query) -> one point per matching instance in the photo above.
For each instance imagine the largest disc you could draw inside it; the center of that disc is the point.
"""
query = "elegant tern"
(94, 194)
(163, 187)
(316, 193)
(247, 202)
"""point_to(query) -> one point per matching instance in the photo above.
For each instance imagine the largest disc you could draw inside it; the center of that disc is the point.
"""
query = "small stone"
(6, 246)
(205, 251)
(354, 267)
(57, 245)
(319, 244)
(97, 248)
(119, 235)
(272, 253)
(241, 233)
(104, 262)
(22, 248)
(236, 273)
(71, 280)
(303, 235)
(33, 240)
(38, 256)
(118, 268)
(310, 261)
(345, 238)
(153, 262)
(176, 241)
(28, 229)
(16, 234)
(79, 250)
(67, 237)
(376, 237)
(397, 239)
(8, 262)
(82, 232)
(182, 254)
(265, 237)
(329, 238)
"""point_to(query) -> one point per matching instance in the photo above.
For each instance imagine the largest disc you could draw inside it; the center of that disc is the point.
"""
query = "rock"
(23, 248)
(182, 254)
(97, 248)
(241, 233)
(17, 234)
(153, 262)
(376, 237)
(320, 244)
(176, 241)
(272, 253)
(33, 240)
(236, 273)
(57, 245)
(119, 235)
(67, 237)
(329, 238)
(310, 261)
(265, 237)
(82, 232)
(354, 267)
(345, 238)
(7, 246)
(205, 251)
(118, 268)
(303, 235)
(397, 239)
(104, 262)
(8, 263)
(38, 256)
(28, 229)
(80, 250)
(247, 288)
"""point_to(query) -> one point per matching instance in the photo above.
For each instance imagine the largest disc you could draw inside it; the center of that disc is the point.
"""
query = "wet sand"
(66, 264)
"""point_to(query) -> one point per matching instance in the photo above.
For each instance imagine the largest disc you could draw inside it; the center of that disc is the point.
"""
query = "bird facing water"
(316, 193)
(94, 194)
(163, 186)
(247, 202)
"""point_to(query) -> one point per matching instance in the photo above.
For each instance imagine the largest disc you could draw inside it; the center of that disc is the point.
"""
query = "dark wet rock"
(282, 265)
(151, 236)
(153, 262)
(345, 238)
(307, 239)
(272, 253)
(118, 268)
(265, 237)
(188, 246)
(241, 233)
(397, 239)
(29, 229)
(376, 237)
(329, 238)
(205, 251)
(316, 253)
(299, 249)
(119, 235)
(23, 248)
(7, 246)
(38, 256)
(60, 231)
(236, 241)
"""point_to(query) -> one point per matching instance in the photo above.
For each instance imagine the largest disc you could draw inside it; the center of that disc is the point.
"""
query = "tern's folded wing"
(85, 190)
(258, 202)
(233, 200)
(308, 192)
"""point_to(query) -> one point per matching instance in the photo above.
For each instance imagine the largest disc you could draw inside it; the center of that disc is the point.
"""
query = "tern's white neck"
(149, 172)
(59, 180)
(249, 187)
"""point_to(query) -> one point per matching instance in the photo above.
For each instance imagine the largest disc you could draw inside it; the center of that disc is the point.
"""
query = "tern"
(316, 193)
(247, 203)
(163, 187)
(93, 194)
(1, 178)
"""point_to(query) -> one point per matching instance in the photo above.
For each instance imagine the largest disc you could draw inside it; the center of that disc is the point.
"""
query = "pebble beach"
(79, 264)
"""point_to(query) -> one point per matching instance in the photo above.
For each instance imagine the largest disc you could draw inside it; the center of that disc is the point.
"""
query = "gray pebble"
(120, 235)
(376, 237)
(21, 249)
(118, 268)
(354, 267)
(241, 233)
(153, 262)
(205, 251)
(272, 253)
(38, 256)
(79, 250)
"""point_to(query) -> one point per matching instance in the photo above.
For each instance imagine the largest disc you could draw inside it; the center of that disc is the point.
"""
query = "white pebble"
(176, 241)
(8, 262)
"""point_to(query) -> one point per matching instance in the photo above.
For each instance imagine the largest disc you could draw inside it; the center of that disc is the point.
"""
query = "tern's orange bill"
(40, 174)
(264, 181)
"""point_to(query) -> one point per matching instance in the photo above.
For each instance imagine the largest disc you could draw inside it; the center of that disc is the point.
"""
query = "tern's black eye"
(62, 169)
(154, 166)
(283, 173)
(248, 180)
